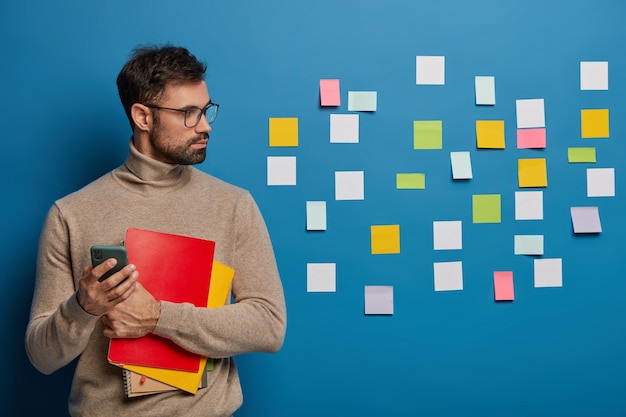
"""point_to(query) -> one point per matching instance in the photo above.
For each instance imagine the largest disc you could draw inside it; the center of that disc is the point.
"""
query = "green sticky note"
(575, 155)
(486, 208)
(410, 181)
(427, 134)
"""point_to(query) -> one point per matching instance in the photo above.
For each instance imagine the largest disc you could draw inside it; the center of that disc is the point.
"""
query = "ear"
(142, 116)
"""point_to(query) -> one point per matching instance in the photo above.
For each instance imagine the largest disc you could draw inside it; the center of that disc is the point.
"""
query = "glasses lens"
(192, 117)
(211, 113)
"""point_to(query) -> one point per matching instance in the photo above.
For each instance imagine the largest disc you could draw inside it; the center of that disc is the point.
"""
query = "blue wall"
(552, 351)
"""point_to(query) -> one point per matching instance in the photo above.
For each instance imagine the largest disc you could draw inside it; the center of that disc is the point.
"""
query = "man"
(167, 103)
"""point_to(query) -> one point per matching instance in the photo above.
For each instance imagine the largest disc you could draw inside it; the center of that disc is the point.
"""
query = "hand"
(97, 298)
(135, 317)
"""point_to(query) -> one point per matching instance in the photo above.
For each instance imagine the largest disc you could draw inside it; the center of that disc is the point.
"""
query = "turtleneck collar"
(146, 174)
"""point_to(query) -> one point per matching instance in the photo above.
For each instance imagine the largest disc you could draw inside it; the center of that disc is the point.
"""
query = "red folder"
(172, 268)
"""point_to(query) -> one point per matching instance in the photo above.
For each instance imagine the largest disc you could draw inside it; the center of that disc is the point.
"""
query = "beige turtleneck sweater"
(148, 194)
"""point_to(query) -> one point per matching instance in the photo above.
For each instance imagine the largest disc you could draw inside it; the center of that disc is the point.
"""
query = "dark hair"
(150, 69)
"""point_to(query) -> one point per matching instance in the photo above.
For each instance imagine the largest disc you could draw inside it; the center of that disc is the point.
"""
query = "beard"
(182, 154)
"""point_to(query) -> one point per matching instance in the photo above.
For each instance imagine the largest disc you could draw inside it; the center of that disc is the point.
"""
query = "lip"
(199, 145)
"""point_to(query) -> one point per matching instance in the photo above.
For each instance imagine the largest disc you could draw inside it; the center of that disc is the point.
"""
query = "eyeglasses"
(194, 114)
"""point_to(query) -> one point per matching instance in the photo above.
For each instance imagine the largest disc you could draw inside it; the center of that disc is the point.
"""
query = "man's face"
(170, 140)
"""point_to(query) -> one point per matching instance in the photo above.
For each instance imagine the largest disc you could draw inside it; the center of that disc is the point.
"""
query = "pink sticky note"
(329, 93)
(531, 138)
(503, 285)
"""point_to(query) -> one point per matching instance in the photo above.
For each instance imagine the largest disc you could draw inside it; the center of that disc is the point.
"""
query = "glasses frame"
(203, 112)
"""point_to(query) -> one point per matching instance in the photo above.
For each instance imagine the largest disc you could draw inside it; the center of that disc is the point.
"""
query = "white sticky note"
(461, 165)
(362, 100)
(548, 272)
(448, 235)
(448, 276)
(594, 75)
(430, 70)
(315, 215)
(586, 219)
(321, 277)
(281, 170)
(485, 87)
(530, 113)
(378, 299)
(600, 182)
(528, 244)
(349, 185)
(529, 205)
(344, 128)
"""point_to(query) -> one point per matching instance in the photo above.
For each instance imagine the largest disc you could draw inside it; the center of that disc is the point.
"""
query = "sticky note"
(316, 215)
(503, 286)
(485, 87)
(281, 170)
(490, 134)
(532, 172)
(430, 70)
(321, 277)
(530, 113)
(329, 93)
(586, 219)
(362, 100)
(594, 75)
(415, 181)
(461, 165)
(531, 138)
(378, 299)
(385, 239)
(344, 128)
(448, 276)
(528, 244)
(529, 205)
(600, 182)
(578, 155)
(448, 235)
(594, 123)
(427, 134)
(548, 272)
(486, 208)
(283, 131)
(349, 185)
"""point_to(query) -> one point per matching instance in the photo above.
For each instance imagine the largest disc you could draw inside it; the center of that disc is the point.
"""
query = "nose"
(203, 126)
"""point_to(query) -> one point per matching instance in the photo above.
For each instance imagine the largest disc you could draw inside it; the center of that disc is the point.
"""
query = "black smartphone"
(100, 253)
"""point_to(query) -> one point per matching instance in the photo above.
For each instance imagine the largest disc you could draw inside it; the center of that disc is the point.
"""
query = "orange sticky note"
(503, 285)
(329, 93)
(532, 172)
(594, 123)
(531, 138)
(490, 134)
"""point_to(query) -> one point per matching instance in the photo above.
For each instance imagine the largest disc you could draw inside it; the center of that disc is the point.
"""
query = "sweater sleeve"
(256, 321)
(59, 328)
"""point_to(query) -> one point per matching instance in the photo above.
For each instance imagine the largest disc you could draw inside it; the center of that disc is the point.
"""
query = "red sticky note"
(503, 285)
(531, 138)
(329, 93)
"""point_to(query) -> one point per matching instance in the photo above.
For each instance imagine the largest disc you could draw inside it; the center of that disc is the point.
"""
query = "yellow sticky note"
(486, 208)
(385, 239)
(490, 134)
(595, 123)
(410, 181)
(427, 134)
(532, 172)
(283, 131)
